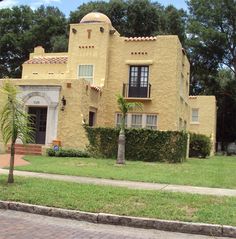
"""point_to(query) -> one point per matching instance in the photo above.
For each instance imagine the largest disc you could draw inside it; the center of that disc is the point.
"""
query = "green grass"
(122, 201)
(212, 172)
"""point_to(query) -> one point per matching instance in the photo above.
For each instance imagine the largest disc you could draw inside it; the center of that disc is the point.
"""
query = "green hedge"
(141, 144)
(67, 153)
(200, 145)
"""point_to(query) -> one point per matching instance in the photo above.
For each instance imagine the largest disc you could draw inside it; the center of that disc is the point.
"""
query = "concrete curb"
(103, 218)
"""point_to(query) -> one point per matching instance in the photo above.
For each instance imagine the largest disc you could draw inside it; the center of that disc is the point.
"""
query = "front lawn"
(92, 198)
(212, 172)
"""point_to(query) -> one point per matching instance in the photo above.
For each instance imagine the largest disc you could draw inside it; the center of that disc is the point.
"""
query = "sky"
(70, 5)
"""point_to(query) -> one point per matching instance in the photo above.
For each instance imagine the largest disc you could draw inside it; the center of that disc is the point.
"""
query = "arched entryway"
(41, 102)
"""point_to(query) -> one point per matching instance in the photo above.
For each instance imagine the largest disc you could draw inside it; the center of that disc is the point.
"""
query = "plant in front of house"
(200, 146)
(124, 107)
(67, 153)
(14, 123)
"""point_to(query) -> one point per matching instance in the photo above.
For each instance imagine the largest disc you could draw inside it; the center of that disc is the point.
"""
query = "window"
(138, 81)
(91, 118)
(136, 121)
(195, 116)
(86, 72)
(151, 121)
(119, 119)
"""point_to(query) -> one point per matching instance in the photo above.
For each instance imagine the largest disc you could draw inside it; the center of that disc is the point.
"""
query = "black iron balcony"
(130, 91)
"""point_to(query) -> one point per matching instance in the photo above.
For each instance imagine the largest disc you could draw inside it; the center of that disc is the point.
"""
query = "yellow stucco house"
(65, 90)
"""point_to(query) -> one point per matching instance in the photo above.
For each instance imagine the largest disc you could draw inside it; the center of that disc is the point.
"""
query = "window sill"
(137, 99)
(195, 123)
(139, 62)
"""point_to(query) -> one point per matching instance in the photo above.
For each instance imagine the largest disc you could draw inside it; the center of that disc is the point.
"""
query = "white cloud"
(8, 3)
(50, 1)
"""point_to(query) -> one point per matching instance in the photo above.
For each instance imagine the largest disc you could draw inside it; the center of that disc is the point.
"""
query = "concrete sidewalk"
(128, 184)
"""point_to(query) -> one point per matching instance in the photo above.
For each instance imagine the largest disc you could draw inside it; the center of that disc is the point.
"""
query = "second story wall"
(160, 56)
(203, 116)
(88, 51)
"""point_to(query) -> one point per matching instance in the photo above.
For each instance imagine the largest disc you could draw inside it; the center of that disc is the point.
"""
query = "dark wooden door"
(39, 123)
(138, 81)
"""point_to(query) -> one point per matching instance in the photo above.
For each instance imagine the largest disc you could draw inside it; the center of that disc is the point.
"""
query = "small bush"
(200, 146)
(67, 153)
(141, 144)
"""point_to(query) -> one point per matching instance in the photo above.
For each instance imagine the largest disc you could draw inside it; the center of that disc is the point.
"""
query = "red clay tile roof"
(95, 87)
(48, 60)
(140, 38)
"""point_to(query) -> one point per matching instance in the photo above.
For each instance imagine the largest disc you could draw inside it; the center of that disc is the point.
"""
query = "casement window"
(195, 115)
(119, 120)
(151, 121)
(86, 72)
(138, 81)
(134, 120)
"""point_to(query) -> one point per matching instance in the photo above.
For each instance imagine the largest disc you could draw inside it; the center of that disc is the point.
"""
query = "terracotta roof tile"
(95, 87)
(192, 97)
(140, 38)
(48, 60)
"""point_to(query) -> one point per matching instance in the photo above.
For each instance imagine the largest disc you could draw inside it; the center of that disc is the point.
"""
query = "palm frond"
(14, 121)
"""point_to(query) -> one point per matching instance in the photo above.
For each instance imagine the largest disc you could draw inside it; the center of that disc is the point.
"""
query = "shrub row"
(200, 145)
(67, 153)
(141, 144)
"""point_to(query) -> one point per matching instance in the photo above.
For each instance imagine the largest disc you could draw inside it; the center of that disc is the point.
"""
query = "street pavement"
(20, 225)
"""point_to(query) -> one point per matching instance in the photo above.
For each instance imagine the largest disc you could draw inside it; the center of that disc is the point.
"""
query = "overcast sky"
(70, 5)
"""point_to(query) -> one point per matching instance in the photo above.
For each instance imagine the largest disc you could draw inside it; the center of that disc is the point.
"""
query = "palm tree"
(14, 122)
(124, 107)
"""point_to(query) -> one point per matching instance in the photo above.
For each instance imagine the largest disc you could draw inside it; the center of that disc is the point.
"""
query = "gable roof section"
(48, 60)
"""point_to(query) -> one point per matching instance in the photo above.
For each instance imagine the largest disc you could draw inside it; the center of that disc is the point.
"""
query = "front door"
(39, 123)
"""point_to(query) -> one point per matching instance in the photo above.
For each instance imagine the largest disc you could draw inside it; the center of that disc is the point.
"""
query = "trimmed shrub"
(67, 153)
(200, 145)
(141, 144)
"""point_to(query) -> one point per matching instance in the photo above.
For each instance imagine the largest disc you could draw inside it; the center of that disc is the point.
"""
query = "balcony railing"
(130, 91)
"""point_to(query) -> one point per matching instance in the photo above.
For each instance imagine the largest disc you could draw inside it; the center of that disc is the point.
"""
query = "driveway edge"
(139, 222)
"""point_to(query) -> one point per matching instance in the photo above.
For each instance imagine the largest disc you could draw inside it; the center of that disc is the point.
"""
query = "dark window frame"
(139, 82)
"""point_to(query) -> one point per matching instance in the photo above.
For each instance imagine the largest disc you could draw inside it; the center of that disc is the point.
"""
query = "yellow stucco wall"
(206, 125)
(111, 55)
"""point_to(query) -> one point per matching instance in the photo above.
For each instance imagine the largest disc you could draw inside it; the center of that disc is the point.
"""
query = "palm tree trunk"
(11, 168)
(121, 148)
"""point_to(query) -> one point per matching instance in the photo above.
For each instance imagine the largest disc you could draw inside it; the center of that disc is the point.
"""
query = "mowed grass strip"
(212, 172)
(122, 201)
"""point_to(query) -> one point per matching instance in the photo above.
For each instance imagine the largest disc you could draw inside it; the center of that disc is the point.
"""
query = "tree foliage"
(137, 18)
(212, 28)
(211, 46)
(22, 29)
(14, 122)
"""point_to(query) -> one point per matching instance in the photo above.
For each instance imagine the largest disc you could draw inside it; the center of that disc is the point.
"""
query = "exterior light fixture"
(112, 31)
(74, 30)
(63, 103)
